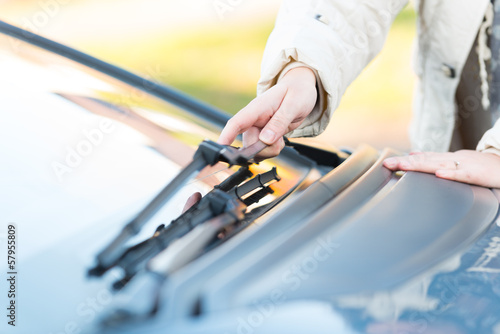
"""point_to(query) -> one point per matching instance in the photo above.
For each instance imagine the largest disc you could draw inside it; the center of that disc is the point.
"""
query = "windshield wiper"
(183, 240)
(215, 203)
(147, 287)
(208, 153)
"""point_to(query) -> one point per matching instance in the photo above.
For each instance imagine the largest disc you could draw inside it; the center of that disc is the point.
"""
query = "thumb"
(276, 128)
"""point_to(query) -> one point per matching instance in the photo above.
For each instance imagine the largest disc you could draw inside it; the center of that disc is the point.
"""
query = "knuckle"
(415, 160)
(278, 122)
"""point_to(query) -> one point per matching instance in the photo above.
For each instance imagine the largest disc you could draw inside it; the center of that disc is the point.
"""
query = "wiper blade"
(208, 153)
(136, 257)
(147, 287)
(212, 205)
(181, 242)
(232, 181)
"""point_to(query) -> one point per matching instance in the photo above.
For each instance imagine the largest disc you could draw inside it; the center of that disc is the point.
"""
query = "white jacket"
(338, 38)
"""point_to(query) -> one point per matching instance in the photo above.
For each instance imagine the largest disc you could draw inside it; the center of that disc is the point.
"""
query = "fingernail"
(390, 162)
(267, 136)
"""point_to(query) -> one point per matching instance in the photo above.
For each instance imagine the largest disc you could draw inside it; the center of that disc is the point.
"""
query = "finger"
(192, 200)
(461, 175)
(238, 124)
(256, 113)
(250, 136)
(475, 168)
(271, 151)
(281, 122)
(425, 162)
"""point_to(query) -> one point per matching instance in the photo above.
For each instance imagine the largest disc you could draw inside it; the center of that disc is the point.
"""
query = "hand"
(271, 115)
(482, 169)
(192, 200)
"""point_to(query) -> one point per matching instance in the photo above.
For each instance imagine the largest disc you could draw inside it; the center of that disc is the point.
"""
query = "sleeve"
(490, 142)
(335, 38)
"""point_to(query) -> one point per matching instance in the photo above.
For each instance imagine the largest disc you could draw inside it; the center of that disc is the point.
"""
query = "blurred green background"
(212, 50)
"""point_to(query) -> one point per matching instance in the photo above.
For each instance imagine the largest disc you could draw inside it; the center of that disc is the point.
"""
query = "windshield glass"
(81, 146)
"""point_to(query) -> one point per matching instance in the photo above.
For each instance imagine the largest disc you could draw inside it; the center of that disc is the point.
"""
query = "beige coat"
(338, 38)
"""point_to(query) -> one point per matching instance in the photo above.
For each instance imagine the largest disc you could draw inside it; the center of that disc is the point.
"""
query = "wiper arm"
(184, 240)
(208, 153)
(212, 205)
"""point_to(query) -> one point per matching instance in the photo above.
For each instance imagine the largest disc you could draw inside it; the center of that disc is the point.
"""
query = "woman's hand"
(271, 115)
(482, 169)
(192, 200)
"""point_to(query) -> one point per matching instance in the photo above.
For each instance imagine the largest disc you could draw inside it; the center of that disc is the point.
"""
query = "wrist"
(302, 74)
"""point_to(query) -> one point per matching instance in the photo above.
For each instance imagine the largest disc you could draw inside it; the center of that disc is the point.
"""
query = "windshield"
(81, 145)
